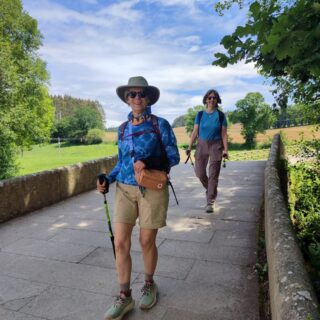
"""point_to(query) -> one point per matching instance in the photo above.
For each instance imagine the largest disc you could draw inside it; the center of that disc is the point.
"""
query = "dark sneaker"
(120, 307)
(149, 296)
(210, 208)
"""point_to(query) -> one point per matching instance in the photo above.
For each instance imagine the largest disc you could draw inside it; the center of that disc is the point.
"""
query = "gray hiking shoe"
(120, 307)
(210, 208)
(149, 296)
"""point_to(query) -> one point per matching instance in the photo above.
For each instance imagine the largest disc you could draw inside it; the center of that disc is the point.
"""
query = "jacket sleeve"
(114, 172)
(169, 142)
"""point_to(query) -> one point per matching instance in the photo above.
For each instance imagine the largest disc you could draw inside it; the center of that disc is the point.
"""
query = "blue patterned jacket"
(145, 143)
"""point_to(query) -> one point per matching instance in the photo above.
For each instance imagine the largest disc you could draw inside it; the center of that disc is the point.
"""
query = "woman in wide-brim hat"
(152, 92)
(144, 141)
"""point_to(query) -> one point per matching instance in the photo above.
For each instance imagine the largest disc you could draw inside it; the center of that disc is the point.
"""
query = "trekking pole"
(189, 158)
(102, 178)
(225, 157)
(171, 185)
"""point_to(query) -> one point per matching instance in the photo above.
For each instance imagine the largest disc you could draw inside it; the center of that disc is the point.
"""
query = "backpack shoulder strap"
(155, 124)
(221, 117)
(156, 129)
(122, 128)
(200, 115)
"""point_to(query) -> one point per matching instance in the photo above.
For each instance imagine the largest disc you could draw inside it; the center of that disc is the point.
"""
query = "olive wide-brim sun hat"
(139, 82)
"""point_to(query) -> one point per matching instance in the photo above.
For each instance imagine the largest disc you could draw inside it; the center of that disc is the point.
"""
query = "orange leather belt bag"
(152, 179)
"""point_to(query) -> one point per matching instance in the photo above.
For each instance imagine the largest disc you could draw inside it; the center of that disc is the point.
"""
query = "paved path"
(57, 263)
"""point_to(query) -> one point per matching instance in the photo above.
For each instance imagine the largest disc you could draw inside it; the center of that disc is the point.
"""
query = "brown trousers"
(209, 151)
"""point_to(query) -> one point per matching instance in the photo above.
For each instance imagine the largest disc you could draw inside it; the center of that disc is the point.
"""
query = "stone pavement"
(57, 263)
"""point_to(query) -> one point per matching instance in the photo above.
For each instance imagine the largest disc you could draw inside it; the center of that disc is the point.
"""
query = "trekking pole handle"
(103, 178)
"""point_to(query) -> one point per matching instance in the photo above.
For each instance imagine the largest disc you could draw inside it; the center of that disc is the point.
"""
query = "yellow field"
(291, 134)
(110, 136)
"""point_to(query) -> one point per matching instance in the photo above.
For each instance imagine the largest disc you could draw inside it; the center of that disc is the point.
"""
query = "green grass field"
(50, 156)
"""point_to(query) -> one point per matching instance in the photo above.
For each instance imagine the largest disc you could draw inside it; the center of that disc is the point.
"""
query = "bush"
(94, 136)
(304, 201)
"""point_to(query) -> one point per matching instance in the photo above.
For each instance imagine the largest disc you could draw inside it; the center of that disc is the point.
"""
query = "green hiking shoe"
(149, 295)
(120, 307)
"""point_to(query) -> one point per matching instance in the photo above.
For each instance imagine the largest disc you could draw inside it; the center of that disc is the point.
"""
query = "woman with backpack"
(144, 142)
(210, 127)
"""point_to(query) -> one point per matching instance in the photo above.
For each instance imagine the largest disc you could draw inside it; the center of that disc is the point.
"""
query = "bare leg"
(149, 250)
(123, 233)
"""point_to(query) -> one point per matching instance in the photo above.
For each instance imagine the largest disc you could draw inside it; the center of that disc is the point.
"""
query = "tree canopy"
(179, 122)
(282, 39)
(190, 116)
(75, 117)
(66, 105)
(82, 121)
(26, 111)
(255, 116)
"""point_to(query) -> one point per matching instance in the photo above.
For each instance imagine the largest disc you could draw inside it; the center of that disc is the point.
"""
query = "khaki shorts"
(151, 209)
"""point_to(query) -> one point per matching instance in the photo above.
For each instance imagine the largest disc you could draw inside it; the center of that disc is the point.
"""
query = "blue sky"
(93, 46)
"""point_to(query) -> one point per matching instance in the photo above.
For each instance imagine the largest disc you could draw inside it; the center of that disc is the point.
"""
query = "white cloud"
(123, 10)
(188, 41)
(56, 14)
(185, 3)
(90, 53)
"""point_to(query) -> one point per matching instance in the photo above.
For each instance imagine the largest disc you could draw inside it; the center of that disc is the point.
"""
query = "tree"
(299, 114)
(255, 116)
(190, 116)
(230, 117)
(94, 136)
(179, 122)
(68, 117)
(282, 39)
(84, 119)
(66, 105)
(26, 111)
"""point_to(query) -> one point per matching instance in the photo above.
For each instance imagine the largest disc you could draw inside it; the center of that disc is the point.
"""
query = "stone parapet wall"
(292, 296)
(34, 191)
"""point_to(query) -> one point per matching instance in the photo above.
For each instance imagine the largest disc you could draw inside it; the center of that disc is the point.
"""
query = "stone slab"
(49, 249)
(77, 276)
(235, 238)
(171, 267)
(210, 252)
(15, 293)
(235, 276)
(222, 302)
(83, 237)
(187, 228)
(12, 315)
(68, 304)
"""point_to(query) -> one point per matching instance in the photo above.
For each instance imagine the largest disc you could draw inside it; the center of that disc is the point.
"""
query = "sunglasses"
(133, 94)
(212, 98)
